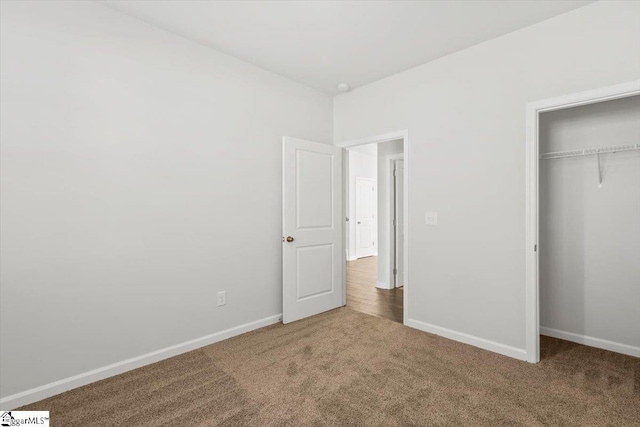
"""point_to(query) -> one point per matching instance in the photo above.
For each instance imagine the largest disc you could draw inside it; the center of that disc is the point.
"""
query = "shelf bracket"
(599, 172)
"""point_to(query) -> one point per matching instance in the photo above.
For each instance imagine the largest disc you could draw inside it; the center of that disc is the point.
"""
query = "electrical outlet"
(222, 298)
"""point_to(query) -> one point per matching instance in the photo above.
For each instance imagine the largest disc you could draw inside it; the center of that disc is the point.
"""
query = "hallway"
(363, 296)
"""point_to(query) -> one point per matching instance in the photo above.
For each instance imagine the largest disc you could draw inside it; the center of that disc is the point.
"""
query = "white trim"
(382, 285)
(392, 136)
(591, 341)
(60, 386)
(346, 228)
(506, 350)
(533, 112)
(389, 230)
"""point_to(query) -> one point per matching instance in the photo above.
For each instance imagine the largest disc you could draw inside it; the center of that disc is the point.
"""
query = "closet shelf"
(589, 151)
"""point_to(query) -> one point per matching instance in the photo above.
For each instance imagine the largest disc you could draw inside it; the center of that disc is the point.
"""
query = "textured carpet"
(347, 368)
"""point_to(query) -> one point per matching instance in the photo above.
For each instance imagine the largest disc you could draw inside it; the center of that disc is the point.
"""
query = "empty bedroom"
(292, 213)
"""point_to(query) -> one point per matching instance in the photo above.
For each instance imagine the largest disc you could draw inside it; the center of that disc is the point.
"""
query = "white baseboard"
(57, 387)
(591, 341)
(496, 347)
(382, 285)
(352, 258)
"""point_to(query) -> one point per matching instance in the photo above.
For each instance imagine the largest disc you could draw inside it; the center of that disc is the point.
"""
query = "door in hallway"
(365, 217)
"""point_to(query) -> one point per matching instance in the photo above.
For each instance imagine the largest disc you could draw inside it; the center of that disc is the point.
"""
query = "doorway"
(374, 241)
(316, 237)
(569, 162)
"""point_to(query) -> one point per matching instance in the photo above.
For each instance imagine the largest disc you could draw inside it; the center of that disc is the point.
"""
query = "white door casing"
(399, 221)
(365, 217)
(385, 257)
(312, 228)
(534, 109)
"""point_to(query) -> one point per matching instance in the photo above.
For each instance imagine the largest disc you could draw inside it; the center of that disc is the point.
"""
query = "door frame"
(375, 205)
(533, 111)
(391, 163)
(391, 136)
(389, 229)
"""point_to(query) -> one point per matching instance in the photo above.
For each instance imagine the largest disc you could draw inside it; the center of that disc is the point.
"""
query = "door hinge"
(373, 243)
(394, 221)
(395, 271)
(535, 248)
(395, 172)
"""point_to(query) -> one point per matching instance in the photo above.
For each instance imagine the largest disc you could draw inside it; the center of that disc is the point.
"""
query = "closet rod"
(589, 151)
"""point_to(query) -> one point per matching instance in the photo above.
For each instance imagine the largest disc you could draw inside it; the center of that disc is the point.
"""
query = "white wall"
(362, 164)
(386, 150)
(590, 236)
(141, 174)
(465, 114)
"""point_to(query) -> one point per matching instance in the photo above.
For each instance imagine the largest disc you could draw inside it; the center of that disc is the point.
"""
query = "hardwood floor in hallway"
(363, 296)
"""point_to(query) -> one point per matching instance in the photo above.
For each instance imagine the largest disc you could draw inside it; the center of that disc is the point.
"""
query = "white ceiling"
(323, 43)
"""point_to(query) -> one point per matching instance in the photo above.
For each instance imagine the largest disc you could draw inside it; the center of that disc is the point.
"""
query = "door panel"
(365, 217)
(313, 189)
(313, 278)
(312, 211)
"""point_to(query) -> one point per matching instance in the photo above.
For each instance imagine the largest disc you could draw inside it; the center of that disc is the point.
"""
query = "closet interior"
(589, 224)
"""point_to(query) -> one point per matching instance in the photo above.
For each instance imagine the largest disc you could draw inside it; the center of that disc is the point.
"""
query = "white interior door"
(365, 217)
(399, 221)
(312, 226)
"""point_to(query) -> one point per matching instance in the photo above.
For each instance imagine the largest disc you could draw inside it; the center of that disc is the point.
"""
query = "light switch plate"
(431, 218)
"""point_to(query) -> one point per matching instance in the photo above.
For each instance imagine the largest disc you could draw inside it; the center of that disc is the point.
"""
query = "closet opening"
(588, 229)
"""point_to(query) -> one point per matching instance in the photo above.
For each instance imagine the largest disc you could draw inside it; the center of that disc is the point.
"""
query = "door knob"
(290, 239)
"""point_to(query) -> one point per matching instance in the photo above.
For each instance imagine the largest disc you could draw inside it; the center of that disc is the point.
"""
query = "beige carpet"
(347, 368)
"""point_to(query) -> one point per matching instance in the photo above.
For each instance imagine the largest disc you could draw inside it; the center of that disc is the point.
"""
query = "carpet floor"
(347, 368)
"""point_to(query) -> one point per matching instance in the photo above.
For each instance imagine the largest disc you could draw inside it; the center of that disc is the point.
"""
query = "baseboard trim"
(382, 285)
(351, 258)
(66, 384)
(496, 347)
(629, 350)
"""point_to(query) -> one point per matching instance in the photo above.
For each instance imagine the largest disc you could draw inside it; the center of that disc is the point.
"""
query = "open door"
(312, 252)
